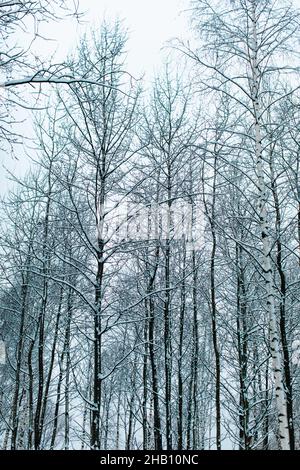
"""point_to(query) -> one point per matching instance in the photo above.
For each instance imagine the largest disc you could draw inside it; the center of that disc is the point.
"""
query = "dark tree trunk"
(155, 393)
(282, 309)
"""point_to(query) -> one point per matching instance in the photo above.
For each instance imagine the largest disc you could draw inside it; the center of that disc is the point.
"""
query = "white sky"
(151, 23)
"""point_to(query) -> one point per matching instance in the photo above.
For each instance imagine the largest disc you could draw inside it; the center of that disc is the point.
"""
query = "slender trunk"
(145, 385)
(155, 395)
(67, 377)
(213, 305)
(193, 383)
(38, 429)
(281, 402)
(242, 352)
(31, 391)
(57, 406)
(180, 357)
(118, 421)
(106, 420)
(167, 326)
(15, 404)
(85, 406)
(130, 423)
(97, 379)
(266, 420)
(215, 341)
(52, 360)
(282, 309)
(64, 366)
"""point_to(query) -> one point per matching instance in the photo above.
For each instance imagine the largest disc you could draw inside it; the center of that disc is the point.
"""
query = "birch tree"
(250, 37)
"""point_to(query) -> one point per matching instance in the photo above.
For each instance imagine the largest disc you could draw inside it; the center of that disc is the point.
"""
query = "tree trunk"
(180, 353)
(15, 404)
(155, 395)
(281, 402)
(245, 439)
(282, 322)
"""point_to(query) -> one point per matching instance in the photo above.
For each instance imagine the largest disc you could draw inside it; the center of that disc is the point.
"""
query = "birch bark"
(281, 402)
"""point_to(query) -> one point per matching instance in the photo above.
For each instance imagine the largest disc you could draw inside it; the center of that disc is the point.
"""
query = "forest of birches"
(156, 342)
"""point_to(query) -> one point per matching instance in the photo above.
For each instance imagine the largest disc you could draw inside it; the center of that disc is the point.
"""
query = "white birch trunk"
(281, 403)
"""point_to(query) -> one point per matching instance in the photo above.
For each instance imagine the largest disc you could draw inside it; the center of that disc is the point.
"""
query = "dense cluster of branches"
(123, 329)
(20, 27)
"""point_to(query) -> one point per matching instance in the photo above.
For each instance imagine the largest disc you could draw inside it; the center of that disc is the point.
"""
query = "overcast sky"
(151, 23)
